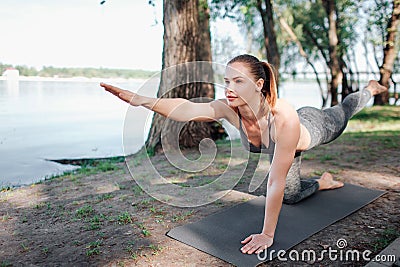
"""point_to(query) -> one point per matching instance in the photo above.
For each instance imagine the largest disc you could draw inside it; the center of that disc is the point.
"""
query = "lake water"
(43, 120)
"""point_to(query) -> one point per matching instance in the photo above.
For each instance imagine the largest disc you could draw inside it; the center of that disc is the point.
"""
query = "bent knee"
(291, 199)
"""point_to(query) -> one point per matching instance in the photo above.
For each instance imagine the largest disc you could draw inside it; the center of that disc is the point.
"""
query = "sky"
(81, 33)
(84, 33)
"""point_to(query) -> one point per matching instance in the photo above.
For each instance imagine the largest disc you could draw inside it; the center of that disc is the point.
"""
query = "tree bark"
(389, 54)
(186, 39)
(271, 45)
(334, 65)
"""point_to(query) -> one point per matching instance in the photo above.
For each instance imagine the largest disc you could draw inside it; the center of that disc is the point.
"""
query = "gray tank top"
(252, 148)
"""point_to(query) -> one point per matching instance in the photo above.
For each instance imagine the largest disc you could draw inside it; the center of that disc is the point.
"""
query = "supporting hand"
(125, 95)
(256, 243)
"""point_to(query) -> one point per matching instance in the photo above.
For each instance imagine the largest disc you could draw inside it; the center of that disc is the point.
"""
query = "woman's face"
(240, 87)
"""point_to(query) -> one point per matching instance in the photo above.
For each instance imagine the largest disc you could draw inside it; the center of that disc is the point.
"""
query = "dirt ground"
(105, 219)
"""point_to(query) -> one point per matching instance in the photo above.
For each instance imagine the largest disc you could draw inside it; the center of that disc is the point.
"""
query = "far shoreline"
(72, 79)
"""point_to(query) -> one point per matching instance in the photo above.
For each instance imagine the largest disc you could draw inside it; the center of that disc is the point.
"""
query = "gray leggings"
(324, 126)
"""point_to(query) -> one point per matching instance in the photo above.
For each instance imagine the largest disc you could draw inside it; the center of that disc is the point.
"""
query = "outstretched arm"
(287, 136)
(178, 109)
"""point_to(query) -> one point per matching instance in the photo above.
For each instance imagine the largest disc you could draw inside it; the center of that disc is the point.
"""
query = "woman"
(267, 125)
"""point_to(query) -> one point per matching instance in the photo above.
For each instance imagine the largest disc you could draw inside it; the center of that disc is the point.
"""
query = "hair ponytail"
(269, 89)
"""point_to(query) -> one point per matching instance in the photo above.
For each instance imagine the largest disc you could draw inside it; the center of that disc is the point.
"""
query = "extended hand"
(124, 95)
(256, 243)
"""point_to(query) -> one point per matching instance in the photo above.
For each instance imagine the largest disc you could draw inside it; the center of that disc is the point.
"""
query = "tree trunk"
(389, 54)
(204, 49)
(334, 65)
(186, 39)
(271, 45)
(346, 72)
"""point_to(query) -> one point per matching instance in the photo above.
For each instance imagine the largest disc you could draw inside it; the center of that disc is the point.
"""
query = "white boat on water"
(11, 74)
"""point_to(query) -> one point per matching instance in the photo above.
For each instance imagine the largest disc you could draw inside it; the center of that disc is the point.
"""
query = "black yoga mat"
(220, 234)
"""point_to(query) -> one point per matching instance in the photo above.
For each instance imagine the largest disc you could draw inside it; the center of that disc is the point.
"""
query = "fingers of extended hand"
(124, 95)
(247, 239)
(112, 89)
(250, 243)
(250, 247)
(257, 244)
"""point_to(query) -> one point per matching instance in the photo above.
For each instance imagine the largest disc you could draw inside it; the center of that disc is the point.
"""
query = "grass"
(385, 138)
(93, 248)
(124, 218)
(5, 263)
(146, 232)
(326, 157)
(84, 211)
(24, 247)
(380, 114)
(368, 133)
(103, 165)
(385, 239)
(24, 219)
(143, 228)
(5, 217)
(144, 203)
(137, 190)
(155, 249)
(40, 205)
(182, 216)
(95, 222)
(379, 118)
(105, 197)
(45, 250)
(87, 167)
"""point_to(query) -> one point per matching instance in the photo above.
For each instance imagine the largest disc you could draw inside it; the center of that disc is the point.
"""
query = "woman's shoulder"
(283, 108)
(284, 113)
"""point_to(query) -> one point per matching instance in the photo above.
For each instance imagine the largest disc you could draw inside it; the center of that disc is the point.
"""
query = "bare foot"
(326, 182)
(375, 88)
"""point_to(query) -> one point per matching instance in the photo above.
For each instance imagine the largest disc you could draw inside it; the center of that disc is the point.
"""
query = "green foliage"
(378, 14)
(310, 23)
(124, 218)
(388, 235)
(95, 222)
(105, 197)
(84, 211)
(5, 263)
(89, 166)
(151, 151)
(93, 248)
(379, 114)
(145, 231)
(247, 16)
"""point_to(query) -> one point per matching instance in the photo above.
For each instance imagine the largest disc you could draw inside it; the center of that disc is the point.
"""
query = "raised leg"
(326, 125)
